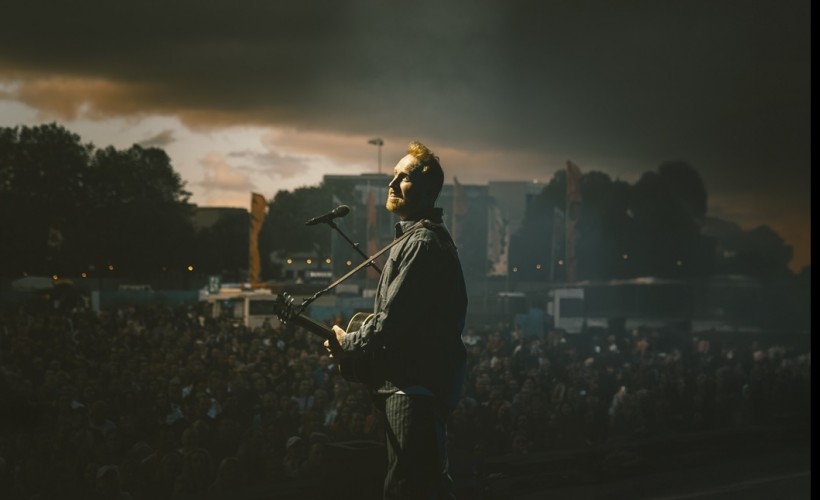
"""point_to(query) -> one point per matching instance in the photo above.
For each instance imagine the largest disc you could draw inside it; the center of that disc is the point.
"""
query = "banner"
(259, 206)
(498, 241)
(558, 246)
(459, 210)
(572, 214)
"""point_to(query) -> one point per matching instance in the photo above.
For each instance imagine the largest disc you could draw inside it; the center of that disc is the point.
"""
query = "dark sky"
(501, 90)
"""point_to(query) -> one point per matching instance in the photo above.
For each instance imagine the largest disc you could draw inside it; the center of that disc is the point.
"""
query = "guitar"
(352, 367)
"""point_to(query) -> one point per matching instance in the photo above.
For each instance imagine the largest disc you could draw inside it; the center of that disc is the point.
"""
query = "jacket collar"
(435, 214)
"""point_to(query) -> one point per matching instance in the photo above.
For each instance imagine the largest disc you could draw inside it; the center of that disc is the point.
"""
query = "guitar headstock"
(284, 308)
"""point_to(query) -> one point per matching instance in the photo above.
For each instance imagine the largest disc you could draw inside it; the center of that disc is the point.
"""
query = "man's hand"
(340, 334)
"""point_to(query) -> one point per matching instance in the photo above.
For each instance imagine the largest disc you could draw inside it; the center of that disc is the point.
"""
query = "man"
(412, 343)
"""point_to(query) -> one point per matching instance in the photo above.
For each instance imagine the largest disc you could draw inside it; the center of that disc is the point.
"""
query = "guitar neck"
(315, 327)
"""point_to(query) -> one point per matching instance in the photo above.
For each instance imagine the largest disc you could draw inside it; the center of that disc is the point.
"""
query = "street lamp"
(379, 143)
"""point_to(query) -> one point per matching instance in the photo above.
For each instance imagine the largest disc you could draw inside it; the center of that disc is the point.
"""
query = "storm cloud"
(613, 86)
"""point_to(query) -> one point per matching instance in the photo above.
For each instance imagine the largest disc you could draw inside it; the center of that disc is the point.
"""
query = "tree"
(686, 187)
(66, 207)
(759, 252)
(606, 232)
(142, 210)
(651, 228)
(43, 188)
(668, 208)
(223, 248)
(284, 230)
(535, 242)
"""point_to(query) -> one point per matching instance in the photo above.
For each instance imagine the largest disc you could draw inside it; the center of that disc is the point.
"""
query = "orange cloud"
(220, 175)
(70, 98)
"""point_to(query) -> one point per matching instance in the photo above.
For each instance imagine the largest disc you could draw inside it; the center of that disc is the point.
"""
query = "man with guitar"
(411, 344)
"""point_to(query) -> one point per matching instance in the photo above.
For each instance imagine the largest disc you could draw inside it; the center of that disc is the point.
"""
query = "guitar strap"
(418, 225)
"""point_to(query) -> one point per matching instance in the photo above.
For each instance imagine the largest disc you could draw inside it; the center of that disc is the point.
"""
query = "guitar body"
(354, 368)
(357, 321)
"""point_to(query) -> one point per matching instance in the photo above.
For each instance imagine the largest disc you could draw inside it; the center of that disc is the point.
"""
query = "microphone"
(339, 211)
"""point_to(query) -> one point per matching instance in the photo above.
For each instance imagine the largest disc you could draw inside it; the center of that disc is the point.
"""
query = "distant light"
(55, 277)
(327, 261)
(84, 275)
(290, 261)
(190, 268)
(625, 256)
(679, 263)
(349, 263)
(110, 267)
(164, 268)
(538, 266)
(560, 262)
(515, 269)
(308, 261)
(25, 274)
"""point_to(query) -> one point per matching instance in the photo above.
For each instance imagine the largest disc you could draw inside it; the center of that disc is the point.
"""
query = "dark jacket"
(413, 339)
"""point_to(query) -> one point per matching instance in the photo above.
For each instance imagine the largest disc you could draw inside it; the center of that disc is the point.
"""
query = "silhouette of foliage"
(655, 227)
(67, 207)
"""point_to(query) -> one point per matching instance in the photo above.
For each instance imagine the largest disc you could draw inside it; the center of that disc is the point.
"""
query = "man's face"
(407, 193)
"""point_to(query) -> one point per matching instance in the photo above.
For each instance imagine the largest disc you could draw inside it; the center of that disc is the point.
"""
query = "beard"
(406, 205)
(395, 205)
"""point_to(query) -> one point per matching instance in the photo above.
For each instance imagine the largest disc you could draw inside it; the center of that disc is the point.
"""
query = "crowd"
(166, 402)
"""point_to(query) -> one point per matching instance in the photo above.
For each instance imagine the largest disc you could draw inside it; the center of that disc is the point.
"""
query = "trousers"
(416, 448)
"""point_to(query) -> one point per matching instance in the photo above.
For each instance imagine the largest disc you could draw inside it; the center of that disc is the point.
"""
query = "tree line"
(68, 207)
(658, 226)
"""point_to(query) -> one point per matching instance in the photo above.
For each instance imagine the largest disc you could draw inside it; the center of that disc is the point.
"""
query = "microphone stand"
(354, 245)
(367, 262)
